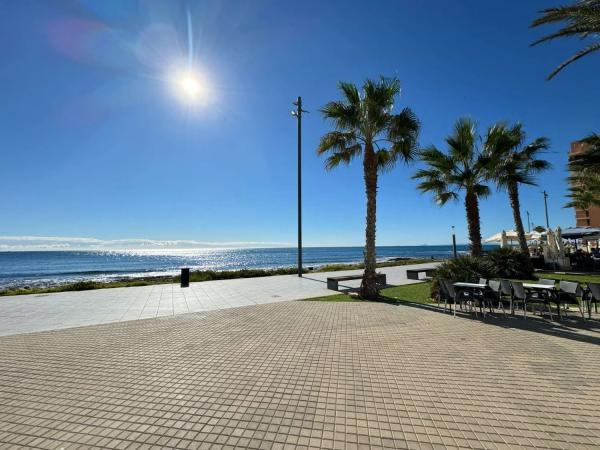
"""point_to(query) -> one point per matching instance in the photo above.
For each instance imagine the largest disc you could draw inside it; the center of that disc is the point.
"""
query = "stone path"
(29, 313)
(304, 375)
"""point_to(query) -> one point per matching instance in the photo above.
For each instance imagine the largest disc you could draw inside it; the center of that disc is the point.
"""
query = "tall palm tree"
(585, 176)
(462, 168)
(365, 126)
(512, 164)
(581, 19)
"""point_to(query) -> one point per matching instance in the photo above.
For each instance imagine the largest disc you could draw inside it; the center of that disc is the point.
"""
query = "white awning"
(511, 235)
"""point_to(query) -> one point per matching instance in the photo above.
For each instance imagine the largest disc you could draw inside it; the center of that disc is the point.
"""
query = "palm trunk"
(472, 207)
(369, 288)
(513, 195)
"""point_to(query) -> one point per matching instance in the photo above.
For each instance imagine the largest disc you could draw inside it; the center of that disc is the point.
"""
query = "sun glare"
(188, 86)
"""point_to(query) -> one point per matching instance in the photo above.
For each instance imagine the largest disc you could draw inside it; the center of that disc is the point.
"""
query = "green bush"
(498, 263)
(208, 275)
(509, 263)
(466, 268)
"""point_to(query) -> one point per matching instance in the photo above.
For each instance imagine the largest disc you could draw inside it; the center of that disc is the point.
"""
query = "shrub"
(466, 268)
(509, 263)
(498, 263)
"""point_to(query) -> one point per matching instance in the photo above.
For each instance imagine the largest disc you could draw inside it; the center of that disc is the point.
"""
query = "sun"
(188, 86)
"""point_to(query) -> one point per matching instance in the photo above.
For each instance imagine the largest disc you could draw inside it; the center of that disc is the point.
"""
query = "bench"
(332, 282)
(413, 274)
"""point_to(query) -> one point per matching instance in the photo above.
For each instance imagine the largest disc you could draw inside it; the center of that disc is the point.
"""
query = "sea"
(47, 268)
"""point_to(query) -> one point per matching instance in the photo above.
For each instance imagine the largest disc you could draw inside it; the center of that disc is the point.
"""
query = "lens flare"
(188, 86)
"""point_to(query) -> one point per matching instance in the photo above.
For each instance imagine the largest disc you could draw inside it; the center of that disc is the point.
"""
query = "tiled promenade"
(28, 313)
(303, 375)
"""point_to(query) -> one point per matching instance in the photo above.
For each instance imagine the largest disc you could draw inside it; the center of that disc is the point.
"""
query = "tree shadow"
(343, 289)
(314, 279)
(570, 327)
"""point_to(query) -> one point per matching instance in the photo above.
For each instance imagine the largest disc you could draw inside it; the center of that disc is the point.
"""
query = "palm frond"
(586, 51)
(588, 161)
(444, 197)
(581, 19)
(569, 31)
(585, 194)
(510, 162)
(381, 94)
(404, 125)
(335, 141)
(538, 165)
(583, 11)
(482, 190)
(351, 93)
(345, 116)
(437, 159)
(435, 185)
(363, 121)
(336, 159)
(386, 159)
(462, 141)
(403, 134)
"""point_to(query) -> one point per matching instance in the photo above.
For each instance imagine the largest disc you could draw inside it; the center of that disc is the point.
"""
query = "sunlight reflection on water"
(51, 267)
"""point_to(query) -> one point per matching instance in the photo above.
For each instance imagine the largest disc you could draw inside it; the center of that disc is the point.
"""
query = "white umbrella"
(559, 242)
(512, 236)
(552, 246)
(503, 239)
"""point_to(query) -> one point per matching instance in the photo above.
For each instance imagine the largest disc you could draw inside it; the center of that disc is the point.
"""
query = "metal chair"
(547, 295)
(593, 296)
(520, 294)
(480, 298)
(444, 292)
(506, 291)
(568, 293)
(494, 292)
(448, 292)
(451, 293)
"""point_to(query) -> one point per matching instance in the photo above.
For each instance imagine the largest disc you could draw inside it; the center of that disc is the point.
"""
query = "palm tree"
(582, 20)
(463, 168)
(585, 176)
(513, 164)
(365, 126)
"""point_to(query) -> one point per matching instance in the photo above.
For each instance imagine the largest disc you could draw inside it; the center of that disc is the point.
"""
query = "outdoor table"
(535, 286)
(549, 288)
(473, 287)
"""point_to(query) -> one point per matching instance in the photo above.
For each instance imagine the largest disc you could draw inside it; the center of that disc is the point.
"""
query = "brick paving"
(41, 312)
(303, 375)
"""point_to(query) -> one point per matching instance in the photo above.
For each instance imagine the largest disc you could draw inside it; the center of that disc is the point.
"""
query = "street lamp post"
(454, 242)
(546, 207)
(298, 114)
(528, 223)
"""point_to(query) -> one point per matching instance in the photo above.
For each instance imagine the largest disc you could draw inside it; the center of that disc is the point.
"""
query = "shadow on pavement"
(568, 328)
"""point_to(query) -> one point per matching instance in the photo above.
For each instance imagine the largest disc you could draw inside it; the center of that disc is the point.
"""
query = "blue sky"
(94, 144)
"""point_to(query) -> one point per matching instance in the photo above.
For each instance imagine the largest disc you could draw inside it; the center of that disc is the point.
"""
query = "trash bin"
(185, 277)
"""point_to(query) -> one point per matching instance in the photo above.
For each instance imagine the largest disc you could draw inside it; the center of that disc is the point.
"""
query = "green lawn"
(567, 276)
(415, 293)
(419, 292)
(332, 298)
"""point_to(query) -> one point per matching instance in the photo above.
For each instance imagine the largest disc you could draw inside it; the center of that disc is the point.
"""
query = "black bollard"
(185, 277)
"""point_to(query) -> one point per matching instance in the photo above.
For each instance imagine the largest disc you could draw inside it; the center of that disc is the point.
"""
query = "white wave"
(33, 243)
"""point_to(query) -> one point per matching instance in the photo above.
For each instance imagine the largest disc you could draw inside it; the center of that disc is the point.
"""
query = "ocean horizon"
(48, 268)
